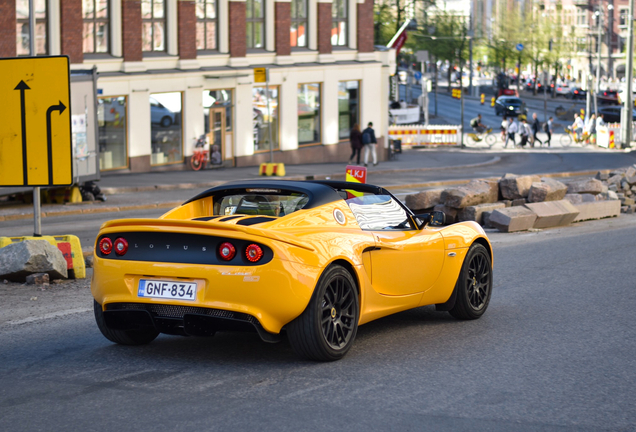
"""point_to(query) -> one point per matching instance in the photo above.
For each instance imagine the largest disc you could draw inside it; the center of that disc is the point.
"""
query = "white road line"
(49, 316)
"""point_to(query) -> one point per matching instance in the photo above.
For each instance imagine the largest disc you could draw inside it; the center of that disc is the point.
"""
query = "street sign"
(417, 75)
(260, 75)
(356, 174)
(421, 56)
(519, 47)
(35, 131)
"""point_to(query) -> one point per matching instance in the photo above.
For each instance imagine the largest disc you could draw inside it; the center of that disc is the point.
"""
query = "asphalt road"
(554, 352)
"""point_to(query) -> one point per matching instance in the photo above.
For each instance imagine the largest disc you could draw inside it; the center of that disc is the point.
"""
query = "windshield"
(512, 101)
(259, 202)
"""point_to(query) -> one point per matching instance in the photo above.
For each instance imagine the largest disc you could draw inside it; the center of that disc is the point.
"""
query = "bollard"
(483, 98)
(492, 101)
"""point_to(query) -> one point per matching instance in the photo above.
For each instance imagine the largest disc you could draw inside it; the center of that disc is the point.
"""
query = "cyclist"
(477, 125)
(578, 125)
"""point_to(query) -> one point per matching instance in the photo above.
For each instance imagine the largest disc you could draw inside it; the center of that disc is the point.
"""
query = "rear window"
(265, 202)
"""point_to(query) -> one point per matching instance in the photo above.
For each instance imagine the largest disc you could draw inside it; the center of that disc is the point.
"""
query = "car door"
(405, 260)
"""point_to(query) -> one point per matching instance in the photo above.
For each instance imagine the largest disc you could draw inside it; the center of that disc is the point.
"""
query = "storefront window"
(111, 121)
(348, 107)
(261, 117)
(308, 113)
(165, 124)
(217, 114)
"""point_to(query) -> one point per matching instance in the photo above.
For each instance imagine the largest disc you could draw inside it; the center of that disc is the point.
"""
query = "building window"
(262, 117)
(22, 27)
(308, 113)
(217, 115)
(165, 128)
(206, 24)
(581, 17)
(298, 23)
(339, 23)
(622, 17)
(348, 107)
(255, 17)
(111, 121)
(96, 24)
(153, 26)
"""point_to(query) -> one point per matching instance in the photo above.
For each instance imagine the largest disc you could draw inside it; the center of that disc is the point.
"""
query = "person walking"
(547, 128)
(524, 132)
(504, 128)
(536, 127)
(370, 144)
(513, 128)
(355, 138)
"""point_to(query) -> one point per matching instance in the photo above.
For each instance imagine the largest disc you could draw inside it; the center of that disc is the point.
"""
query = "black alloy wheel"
(474, 285)
(325, 331)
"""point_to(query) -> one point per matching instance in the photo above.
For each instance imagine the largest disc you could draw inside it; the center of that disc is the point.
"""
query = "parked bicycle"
(486, 136)
(201, 155)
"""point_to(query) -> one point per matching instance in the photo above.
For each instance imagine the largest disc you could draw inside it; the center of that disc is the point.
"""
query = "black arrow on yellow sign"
(49, 144)
(22, 87)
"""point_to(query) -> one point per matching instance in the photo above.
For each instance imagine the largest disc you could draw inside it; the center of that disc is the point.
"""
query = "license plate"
(166, 289)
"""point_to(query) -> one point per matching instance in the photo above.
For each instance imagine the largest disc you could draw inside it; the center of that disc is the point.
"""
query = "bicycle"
(486, 136)
(200, 156)
(571, 136)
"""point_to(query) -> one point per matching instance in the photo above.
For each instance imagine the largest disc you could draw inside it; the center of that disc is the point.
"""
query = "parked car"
(562, 89)
(159, 114)
(510, 106)
(576, 93)
(612, 114)
(608, 97)
(261, 256)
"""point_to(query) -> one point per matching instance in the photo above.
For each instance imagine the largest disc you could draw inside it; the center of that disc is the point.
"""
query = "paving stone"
(598, 210)
(589, 197)
(486, 219)
(512, 219)
(630, 175)
(615, 179)
(508, 203)
(553, 213)
(424, 200)
(37, 279)
(628, 201)
(601, 175)
(547, 190)
(18, 260)
(475, 213)
(519, 202)
(613, 187)
(473, 193)
(451, 213)
(513, 186)
(592, 186)
(574, 198)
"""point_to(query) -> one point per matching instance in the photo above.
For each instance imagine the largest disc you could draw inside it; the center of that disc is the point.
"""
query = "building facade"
(172, 73)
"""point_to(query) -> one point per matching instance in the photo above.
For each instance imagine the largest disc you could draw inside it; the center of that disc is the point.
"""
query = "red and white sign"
(399, 43)
(356, 174)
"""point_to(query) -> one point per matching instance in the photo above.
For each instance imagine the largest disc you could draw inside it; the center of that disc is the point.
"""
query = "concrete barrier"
(597, 210)
(553, 213)
(511, 219)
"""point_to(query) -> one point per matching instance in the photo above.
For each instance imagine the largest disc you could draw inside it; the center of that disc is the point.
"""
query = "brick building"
(171, 71)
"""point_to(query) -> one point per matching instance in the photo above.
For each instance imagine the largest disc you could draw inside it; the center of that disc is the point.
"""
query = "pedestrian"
(504, 128)
(590, 128)
(370, 144)
(600, 121)
(513, 128)
(547, 128)
(536, 127)
(525, 132)
(355, 138)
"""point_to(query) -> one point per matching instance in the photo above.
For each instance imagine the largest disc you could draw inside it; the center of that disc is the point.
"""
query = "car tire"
(325, 331)
(123, 337)
(474, 284)
(166, 122)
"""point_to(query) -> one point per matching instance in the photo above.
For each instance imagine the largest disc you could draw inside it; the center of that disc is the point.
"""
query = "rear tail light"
(254, 253)
(227, 251)
(106, 246)
(121, 246)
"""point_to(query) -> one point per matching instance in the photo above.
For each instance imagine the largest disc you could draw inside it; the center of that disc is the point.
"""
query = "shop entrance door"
(219, 151)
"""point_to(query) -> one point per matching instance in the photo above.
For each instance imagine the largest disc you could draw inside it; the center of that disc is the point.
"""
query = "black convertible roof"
(319, 192)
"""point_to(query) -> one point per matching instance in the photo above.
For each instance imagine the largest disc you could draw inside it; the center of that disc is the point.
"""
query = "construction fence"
(433, 135)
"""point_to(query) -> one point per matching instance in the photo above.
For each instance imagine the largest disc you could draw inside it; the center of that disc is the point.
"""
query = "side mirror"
(437, 218)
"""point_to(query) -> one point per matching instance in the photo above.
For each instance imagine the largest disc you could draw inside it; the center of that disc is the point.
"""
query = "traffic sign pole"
(37, 217)
(269, 118)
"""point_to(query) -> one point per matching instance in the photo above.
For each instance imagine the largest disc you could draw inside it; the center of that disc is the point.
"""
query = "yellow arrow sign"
(260, 75)
(35, 131)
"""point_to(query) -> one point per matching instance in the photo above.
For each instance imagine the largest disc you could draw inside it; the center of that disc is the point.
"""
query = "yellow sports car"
(313, 258)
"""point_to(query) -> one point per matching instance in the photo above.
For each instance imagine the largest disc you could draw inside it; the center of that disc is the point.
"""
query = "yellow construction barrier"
(70, 247)
(272, 169)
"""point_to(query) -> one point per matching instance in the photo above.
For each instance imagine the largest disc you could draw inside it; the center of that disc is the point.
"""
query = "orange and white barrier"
(425, 134)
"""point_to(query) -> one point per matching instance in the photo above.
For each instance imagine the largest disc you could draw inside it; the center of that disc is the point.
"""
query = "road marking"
(49, 316)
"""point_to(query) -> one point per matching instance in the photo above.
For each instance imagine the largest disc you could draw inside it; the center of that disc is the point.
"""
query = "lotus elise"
(309, 259)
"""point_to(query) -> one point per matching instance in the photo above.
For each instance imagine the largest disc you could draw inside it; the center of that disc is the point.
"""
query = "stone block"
(508, 203)
(574, 198)
(474, 213)
(615, 179)
(592, 186)
(486, 219)
(519, 202)
(628, 201)
(18, 260)
(612, 187)
(601, 175)
(589, 197)
(514, 187)
(424, 200)
(625, 186)
(512, 219)
(630, 175)
(547, 190)
(451, 213)
(598, 210)
(473, 193)
(37, 279)
(553, 213)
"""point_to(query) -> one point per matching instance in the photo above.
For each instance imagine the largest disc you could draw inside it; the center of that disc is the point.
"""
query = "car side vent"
(255, 220)
(229, 218)
(206, 218)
